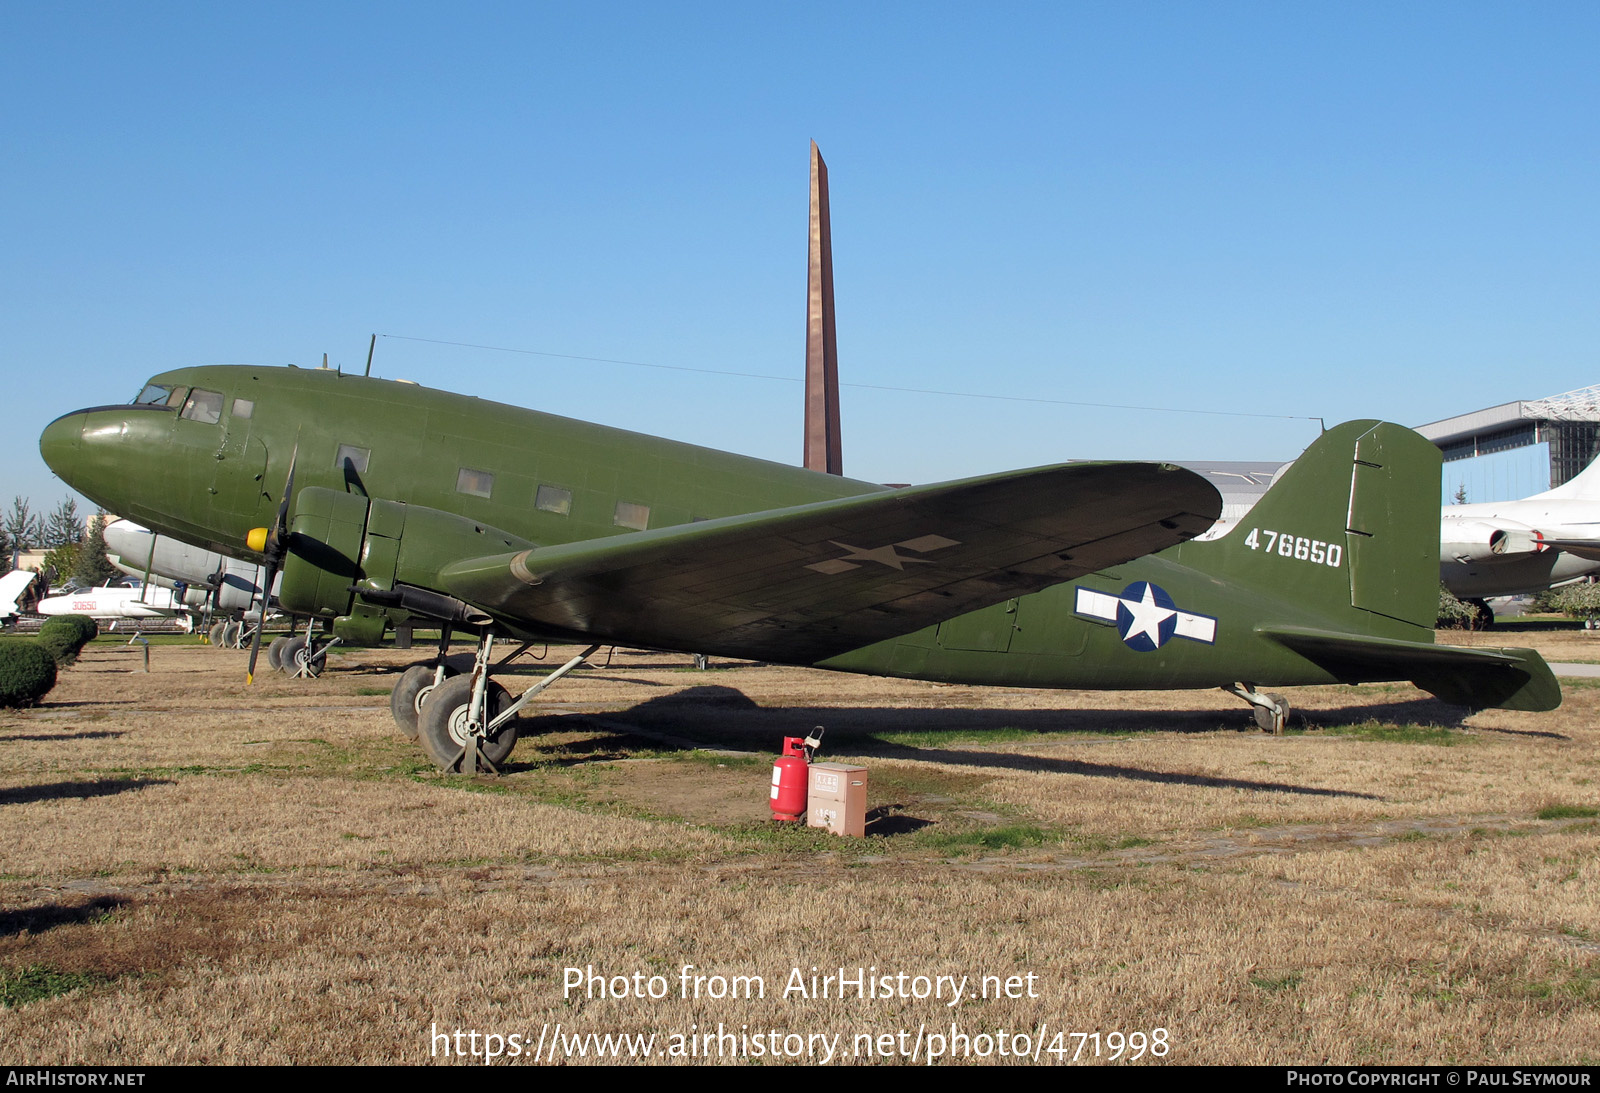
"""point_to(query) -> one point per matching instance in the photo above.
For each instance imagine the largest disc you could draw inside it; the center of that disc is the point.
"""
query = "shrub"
(27, 672)
(1580, 601)
(1453, 614)
(64, 636)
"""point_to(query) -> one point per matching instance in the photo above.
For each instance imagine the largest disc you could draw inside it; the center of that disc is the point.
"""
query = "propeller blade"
(255, 639)
(277, 540)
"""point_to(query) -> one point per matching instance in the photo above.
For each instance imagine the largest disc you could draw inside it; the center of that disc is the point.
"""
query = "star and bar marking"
(1146, 617)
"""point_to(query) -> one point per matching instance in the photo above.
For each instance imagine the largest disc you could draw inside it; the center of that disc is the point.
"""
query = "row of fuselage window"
(206, 407)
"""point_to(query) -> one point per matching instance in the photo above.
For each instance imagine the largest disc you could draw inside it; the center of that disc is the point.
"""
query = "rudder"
(1350, 529)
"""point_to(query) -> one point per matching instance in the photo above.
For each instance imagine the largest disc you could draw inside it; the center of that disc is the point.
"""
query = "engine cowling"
(1477, 541)
(362, 562)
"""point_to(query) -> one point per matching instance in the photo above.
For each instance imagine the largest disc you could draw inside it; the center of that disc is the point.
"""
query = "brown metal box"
(837, 798)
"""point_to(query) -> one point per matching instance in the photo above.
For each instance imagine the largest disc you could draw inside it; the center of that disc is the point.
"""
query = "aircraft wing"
(1588, 549)
(801, 584)
(12, 587)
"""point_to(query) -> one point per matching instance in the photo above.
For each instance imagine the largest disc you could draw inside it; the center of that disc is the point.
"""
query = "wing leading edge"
(801, 584)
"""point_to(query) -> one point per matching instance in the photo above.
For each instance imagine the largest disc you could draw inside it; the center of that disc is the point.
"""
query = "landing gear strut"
(1271, 711)
(468, 723)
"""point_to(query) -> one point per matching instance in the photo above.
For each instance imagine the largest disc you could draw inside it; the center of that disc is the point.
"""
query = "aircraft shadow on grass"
(51, 738)
(37, 919)
(723, 716)
(55, 791)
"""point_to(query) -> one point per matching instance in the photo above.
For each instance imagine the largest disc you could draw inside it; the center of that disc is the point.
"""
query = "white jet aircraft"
(1502, 548)
(116, 603)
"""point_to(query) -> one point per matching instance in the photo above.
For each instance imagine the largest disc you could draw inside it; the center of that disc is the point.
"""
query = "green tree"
(1461, 494)
(62, 527)
(23, 529)
(93, 567)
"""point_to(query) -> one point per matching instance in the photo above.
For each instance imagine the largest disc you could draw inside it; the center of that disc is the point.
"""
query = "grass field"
(199, 872)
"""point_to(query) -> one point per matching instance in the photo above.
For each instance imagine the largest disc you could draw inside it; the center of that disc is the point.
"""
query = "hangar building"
(1517, 449)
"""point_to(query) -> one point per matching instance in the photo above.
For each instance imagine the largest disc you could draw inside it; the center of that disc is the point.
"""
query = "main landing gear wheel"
(275, 652)
(214, 635)
(405, 701)
(443, 719)
(295, 659)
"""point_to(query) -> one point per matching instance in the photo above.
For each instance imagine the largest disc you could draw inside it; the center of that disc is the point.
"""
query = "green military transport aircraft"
(385, 503)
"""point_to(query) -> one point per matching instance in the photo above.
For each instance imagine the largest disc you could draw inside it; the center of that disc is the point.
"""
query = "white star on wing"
(1147, 616)
(884, 555)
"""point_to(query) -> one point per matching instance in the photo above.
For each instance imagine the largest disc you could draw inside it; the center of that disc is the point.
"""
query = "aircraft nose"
(61, 442)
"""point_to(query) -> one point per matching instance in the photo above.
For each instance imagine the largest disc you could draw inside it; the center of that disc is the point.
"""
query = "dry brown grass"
(273, 874)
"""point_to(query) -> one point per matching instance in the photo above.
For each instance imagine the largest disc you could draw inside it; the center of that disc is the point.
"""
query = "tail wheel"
(405, 701)
(1273, 719)
(442, 722)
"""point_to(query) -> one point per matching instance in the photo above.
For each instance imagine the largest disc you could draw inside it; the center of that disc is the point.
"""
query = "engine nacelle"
(1477, 541)
(352, 559)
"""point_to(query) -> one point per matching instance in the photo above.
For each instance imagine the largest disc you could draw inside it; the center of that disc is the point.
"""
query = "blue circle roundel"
(1146, 616)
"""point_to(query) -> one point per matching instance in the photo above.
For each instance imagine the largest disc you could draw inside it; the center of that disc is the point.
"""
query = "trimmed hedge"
(27, 672)
(64, 636)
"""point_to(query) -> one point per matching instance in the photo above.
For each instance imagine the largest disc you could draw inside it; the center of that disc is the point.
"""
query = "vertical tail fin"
(1348, 540)
(1351, 528)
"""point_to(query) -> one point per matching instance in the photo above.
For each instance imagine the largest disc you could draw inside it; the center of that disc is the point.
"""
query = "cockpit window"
(153, 394)
(203, 406)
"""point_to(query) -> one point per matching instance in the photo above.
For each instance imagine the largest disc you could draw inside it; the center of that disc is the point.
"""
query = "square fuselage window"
(630, 515)
(553, 499)
(243, 408)
(474, 483)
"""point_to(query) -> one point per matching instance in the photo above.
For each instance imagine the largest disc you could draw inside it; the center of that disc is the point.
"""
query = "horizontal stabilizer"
(804, 583)
(1508, 679)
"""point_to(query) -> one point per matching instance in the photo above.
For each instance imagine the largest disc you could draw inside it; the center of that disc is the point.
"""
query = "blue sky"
(1333, 211)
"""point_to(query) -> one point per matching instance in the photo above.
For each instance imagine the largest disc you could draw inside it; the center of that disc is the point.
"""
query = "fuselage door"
(241, 460)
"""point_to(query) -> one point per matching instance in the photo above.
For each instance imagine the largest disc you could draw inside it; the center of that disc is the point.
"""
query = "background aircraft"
(18, 592)
(116, 603)
(223, 590)
(1500, 548)
(383, 501)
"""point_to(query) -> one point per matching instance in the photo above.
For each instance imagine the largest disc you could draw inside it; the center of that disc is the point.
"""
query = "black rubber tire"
(285, 651)
(405, 701)
(275, 652)
(294, 656)
(230, 634)
(443, 711)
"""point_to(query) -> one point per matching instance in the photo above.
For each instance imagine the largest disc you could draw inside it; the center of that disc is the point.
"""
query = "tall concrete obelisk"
(823, 452)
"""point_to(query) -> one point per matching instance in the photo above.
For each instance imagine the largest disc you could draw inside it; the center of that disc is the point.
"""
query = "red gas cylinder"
(789, 780)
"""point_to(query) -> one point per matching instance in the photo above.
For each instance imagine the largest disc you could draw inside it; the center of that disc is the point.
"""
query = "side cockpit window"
(153, 395)
(203, 406)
